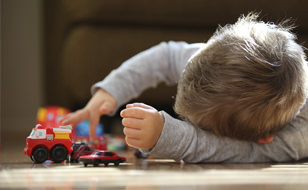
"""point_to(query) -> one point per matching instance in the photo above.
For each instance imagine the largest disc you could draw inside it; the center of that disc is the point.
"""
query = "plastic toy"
(81, 135)
(50, 116)
(102, 157)
(80, 149)
(49, 143)
(82, 129)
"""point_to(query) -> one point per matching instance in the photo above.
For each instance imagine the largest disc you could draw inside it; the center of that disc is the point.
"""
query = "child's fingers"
(134, 112)
(75, 117)
(65, 120)
(142, 105)
(132, 133)
(132, 123)
(93, 122)
(132, 142)
(106, 108)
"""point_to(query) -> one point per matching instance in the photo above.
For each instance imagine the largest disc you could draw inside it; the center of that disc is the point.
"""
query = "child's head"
(247, 83)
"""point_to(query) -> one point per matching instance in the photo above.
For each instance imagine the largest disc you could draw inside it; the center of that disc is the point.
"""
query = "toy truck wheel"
(40, 155)
(58, 154)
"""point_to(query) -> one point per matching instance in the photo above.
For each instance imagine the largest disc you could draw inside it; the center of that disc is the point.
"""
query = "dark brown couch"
(86, 39)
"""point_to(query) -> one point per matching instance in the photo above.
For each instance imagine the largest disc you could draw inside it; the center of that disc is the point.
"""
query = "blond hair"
(248, 81)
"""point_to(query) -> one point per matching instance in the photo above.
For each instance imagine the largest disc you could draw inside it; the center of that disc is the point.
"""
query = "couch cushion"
(195, 13)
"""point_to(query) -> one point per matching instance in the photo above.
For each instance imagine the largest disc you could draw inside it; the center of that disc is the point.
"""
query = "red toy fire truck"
(49, 143)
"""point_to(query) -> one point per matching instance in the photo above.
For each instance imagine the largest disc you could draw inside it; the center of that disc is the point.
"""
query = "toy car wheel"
(58, 154)
(106, 164)
(40, 155)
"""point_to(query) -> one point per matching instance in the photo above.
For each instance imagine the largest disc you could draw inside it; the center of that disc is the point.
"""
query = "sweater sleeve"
(180, 140)
(161, 63)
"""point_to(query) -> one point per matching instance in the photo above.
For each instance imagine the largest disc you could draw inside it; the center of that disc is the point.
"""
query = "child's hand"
(100, 104)
(142, 125)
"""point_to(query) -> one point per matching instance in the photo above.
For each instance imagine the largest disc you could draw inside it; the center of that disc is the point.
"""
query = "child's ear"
(268, 139)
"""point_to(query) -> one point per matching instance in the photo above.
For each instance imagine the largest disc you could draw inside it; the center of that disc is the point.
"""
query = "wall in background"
(21, 64)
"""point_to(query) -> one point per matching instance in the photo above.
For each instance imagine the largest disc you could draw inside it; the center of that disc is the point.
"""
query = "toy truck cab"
(49, 143)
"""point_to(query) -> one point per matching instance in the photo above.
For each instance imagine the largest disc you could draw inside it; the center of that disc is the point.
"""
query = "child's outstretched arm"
(161, 63)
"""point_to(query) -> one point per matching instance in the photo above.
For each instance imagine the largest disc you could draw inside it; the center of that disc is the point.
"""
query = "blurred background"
(52, 51)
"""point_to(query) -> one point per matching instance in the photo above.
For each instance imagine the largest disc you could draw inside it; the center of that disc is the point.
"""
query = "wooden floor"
(18, 172)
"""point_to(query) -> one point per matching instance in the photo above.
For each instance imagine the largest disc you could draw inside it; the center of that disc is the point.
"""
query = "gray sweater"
(180, 140)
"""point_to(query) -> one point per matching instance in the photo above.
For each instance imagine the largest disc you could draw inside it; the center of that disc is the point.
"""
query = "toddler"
(241, 96)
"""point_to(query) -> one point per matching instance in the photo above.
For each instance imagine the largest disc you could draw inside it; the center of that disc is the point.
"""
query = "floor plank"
(18, 172)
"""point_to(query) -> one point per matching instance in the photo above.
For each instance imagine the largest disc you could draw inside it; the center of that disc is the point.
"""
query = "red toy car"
(102, 157)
